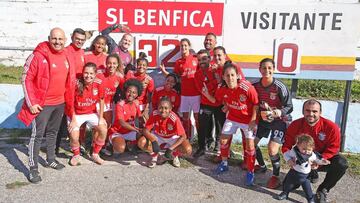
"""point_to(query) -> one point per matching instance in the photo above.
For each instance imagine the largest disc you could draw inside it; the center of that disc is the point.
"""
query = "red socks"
(97, 145)
(250, 159)
(76, 151)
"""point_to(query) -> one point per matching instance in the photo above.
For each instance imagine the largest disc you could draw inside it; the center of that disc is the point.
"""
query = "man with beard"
(210, 43)
(205, 78)
(326, 135)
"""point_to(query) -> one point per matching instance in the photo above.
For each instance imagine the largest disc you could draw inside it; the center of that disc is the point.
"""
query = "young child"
(148, 86)
(300, 158)
(164, 130)
(170, 90)
(241, 100)
(127, 111)
(88, 92)
(97, 53)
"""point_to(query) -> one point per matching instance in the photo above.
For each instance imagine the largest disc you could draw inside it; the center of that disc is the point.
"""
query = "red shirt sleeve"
(253, 96)
(198, 81)
(155, 100)
(119, 109)
(290, 136)
(219, 94)
(333, 143)
(151, 86)
(179, 128)
(150, 123)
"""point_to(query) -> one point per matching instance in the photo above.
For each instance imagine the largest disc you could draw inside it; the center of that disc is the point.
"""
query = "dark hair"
(92, 47)
(79, 31)
(185, 40)
(128, 68)
(204, 51)
(210, 33)
(229, 64)
(177, 82)
(165, 99)
(116, 56)
(220, 48)
(311, 102)
(266, 60)
(133, 82)
(142, 57)
(81, 83)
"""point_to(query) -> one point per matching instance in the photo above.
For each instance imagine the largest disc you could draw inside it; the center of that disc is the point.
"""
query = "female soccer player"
(97, 53)
(164, 130)
(275, 108)
(127, 111)
(170, 90)
(185, 68)
(88, 92)
(241, 100)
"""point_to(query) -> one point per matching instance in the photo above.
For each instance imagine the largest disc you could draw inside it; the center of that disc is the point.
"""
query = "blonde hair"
(305, 139)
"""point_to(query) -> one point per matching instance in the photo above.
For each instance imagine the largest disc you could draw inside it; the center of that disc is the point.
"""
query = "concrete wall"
(11, 98)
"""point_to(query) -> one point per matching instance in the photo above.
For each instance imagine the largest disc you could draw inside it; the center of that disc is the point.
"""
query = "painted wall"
(11, 99)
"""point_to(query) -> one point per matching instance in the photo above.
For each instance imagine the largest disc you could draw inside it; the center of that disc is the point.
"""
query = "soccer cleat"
(34, 176)
(199, 153)
(282, 196)
(176, 162)
(273, 183)
(55, 165)
(321, 196)
(260, 169)
(97, 159)
(249, 179)
(75, 161)
(221, 168)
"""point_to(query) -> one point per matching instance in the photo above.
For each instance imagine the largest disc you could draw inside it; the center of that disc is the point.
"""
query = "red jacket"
(35, 81)
(325, 133)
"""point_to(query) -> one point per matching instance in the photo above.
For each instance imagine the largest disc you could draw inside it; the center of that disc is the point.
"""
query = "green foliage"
(10, 74)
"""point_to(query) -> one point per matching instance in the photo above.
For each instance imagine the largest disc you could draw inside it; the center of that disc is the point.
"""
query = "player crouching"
(164, 130)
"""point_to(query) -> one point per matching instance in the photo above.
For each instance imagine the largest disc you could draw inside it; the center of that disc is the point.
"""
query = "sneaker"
(152, 162)
(176, 162)
(314, 176)
(249, 179)
(199, 153)
(273, 183)
(75, 161)
(260, 169)
(321, 196)
(97, 159)
(282, 196)
(221, 168)
(34, 176)
(55, 165)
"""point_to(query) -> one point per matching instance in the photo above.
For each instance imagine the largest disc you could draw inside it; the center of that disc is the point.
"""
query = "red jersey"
(110, 83)
(86, 103)
(186, 69)
(165, 127)
(99, 60)
(162, 92)
(59, 68)
(325, 133)
(206, 77)
(148, 84)
(239, 101)
(126, 112)
(79, 60)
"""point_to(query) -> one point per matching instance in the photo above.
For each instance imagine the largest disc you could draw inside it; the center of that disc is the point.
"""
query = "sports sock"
(275, 161)
(250, 160)
(259, 156)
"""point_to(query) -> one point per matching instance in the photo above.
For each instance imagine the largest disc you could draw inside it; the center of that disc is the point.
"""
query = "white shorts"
(230, 128)
(168, 142)
(130, 136)
(90, 119)
(107, 107)
(188, 103)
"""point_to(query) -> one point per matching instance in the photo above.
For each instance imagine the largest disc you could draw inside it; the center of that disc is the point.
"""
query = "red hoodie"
(35, 81)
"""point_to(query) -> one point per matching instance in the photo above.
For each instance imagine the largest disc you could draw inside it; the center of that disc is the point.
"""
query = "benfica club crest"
(322, 136)
(95, 91)
(170, 127)
(242, 98)
(272, 96)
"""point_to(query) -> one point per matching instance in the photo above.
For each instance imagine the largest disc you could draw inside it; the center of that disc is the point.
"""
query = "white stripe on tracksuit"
(31, 144)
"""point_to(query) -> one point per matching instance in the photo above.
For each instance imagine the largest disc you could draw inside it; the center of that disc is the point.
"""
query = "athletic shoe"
(75, 161)
(55, 165)
(34, 176)
(249, 179)
(260, 169)
(97, 159)
(176, 162)
(221, 168)
(200, 152)
(282, 196)
(314, 176)
(273, 183)
(321, 196)
(152, 162)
